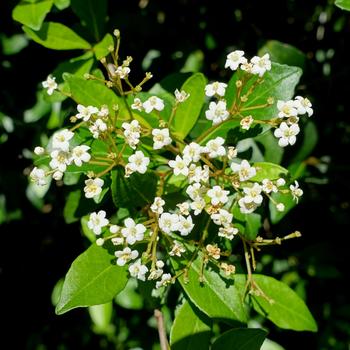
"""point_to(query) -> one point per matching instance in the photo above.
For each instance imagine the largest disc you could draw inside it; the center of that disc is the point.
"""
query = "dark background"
(37, 249)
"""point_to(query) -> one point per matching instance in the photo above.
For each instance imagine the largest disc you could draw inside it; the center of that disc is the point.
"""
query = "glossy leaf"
(101, 317)
(343, 4)
(101, 49)
(191, 329)
(61, 4)
(135, 191)
(240, 339)
(271, 171)
(129, 298)
(92, 279)
(32, 14)
(57, 36)
(188, 111)
(284, 308)
(252, 226)
(288, 202)
(217, 296)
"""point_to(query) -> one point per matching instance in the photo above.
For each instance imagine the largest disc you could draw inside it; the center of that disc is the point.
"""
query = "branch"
(164, 345)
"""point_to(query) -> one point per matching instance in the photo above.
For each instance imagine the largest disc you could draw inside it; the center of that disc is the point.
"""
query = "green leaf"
(252, 226)
(129, 298)
(283, 53)
(61, 4)
(38, 111)
(13, 44)
(273, 153)
(92, 279)
(101, 316)
(240, 339)
(288, 202)
(271, 171)
(101, 49)
(284, 308)
(92, 14)
(134, 191)
(191, 329)
(271, 345)
(218, 297)
(57, 36)
(343, 4)
(188, 112)
(32, 14)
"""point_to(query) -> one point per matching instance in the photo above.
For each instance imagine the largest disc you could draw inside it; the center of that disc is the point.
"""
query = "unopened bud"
(116, 33)
(100, 242)
(239, 83)
(39, 150)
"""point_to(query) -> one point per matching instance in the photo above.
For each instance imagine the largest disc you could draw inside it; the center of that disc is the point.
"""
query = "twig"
(164, 345)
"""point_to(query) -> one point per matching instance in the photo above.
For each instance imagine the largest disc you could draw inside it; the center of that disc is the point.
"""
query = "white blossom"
(268, 186)
(287, 134)
(247, 67)
(168, 222)
(152, 103)
(280, 182)
(195, 191)
(59, 160)
(184, 208)
(57, 175)
(60, 140)
(198, 174)
(138, 162)
(161, 138)
(244, 170)
(103, 112)
(157, 206)
(114, 229)
(303, 105)
(222, 218)
(234, 59)
(253, 194)
(217, 112)
(138, 270)
(97, 221)
(215, 88)
(80, 155)
(122, 72)
(296, 191)
(197, 206)
(133, 232)
(185, 225)
(286, 109)
(193, 152)
(137, 104)
(261, 64)
(231, 152)
(179, 165)
(118, 240)
(125, 256)
(245, 207)
(50, 84)
(85, 113)
(280, 207)
(228, 232)
(246, 122)
(181, 96)
(98, 127)
(177, 249)
(214, 147)
(93, 187)
(165, 280)
(39, 151)
(132, 128)
(218, 195)
(37, 175)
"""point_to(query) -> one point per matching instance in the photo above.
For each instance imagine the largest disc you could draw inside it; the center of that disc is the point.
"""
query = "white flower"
(234, 59)
(59, 160)
(214, 147)
(244, 170)
(86, 112)
(152, 103)
(60, 140)
(193, 152)
(253, 194)
(157, 206)
(231, 152)
(132, 128)
(133, 232)
(227, 232)
(57, 175)
(181, 96)
(138, 162)
(268, 186)
(98, 127)
(246, 208)
(197, 206)
(80, 154)
(217, 112)
(222, 218)
(215, 88)
(161, 138)
(122, 72)
(246, 122)
(303, 105)
(37, 175)
(287, 134)
(137, 104)
(179, 165)
(118, 240)
(177, 249)
(195, 191)
(247, 67)
(184, 208)
(50, 84)
(286, 109)
(168, 222)
(39, 151)
(195, 173)
(166, 279)
(97, 221)
(103, 112)
(296, 191)
(280, 207)
(185, 225)
(218, 195)
(125, 256)
(261, 64)
(93, 187)
(280, 182)
(138, 270)
(114, 229)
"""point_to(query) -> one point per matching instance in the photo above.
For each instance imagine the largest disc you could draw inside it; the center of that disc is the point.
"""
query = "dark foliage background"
(37, 247)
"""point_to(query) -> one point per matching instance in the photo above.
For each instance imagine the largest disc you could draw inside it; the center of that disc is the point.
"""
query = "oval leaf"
(32, 14)
(240, 339)
(217, 296)
(265, 170)
(284, 308)
(57, 36)
(92, 279)
(188, 111)
(191, 329)
(343, 4)
(288, 202)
